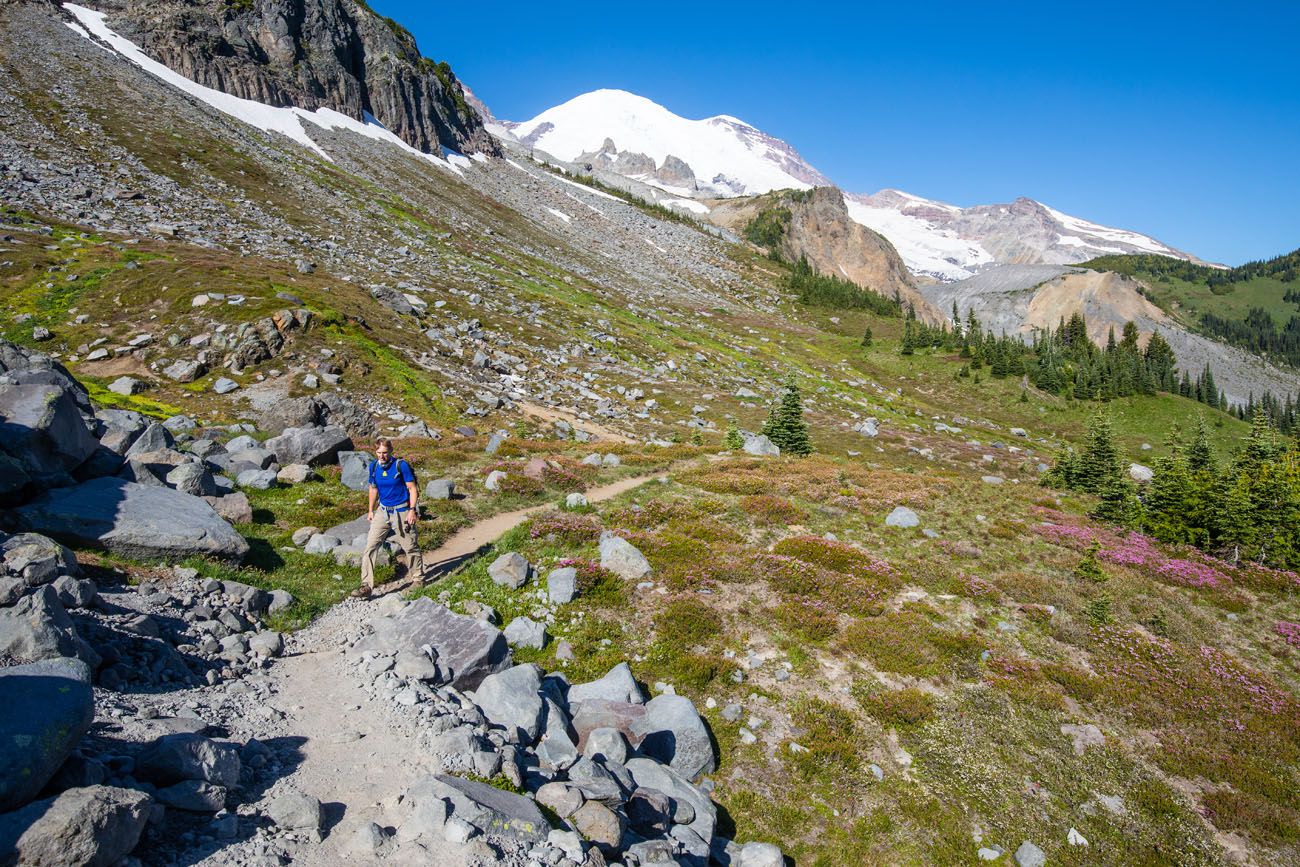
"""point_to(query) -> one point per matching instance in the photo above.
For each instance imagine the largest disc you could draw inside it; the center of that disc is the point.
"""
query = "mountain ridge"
(938, 241)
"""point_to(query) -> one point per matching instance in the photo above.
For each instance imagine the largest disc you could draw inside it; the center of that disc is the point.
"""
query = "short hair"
(384, 441)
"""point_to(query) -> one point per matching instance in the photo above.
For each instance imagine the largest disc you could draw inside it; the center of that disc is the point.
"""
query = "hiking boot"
(362, 592)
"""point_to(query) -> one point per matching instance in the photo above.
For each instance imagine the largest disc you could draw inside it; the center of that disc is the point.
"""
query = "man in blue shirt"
(392, 513)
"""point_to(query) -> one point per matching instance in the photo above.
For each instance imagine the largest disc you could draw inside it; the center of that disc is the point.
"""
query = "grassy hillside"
(1239, 301)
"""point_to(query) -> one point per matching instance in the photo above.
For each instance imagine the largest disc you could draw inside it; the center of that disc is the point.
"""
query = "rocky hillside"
(820, 229)
(648, 637)
(312, 54)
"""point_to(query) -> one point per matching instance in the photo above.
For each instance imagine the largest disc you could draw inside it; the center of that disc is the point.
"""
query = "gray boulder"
(439, 489)
(320, 543)
(618, 684)
(75, 592)
(526, 632)
(134, 521)
(119, 428)
(622, 558)
(93, 826)
(35, 559)
(233, 508)
(193, 479)
(491, 810)
(1029, 855)
(295, 474)
(24, 366)
(314, 446)
(509, 570)
(762, 446)
(187, 756)
(562, 585)
(193, 796)
(256, 458)
(154, 438)
(468, 649)
(673, 732)
(295, 811)
(650, 774)
(37, 627)
(42, 429)
(760, 855)
(355, 469)
(257, 480)
(902, 517)
(419, 430)
(510, 699)
(45, 709)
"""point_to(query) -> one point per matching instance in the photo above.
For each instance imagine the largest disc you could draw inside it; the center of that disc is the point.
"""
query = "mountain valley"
(724, 567)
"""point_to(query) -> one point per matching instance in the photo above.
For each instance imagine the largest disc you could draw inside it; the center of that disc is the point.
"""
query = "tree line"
(1246, 509)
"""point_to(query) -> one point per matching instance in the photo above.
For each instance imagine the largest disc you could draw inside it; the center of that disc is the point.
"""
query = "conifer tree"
(1169, 499)
(1119, 502)
(909, 338)
(1200, 455)
(866, 337)
(733, 440)
(787, 426)
(1099, 463)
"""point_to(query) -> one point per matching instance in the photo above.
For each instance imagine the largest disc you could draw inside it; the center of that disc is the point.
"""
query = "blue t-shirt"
(391, 480)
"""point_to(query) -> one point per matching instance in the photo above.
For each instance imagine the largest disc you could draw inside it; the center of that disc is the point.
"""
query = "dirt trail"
(356, 753)
(465, 542)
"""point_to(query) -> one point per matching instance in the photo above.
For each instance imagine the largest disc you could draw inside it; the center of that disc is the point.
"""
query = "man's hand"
(410, 517)
(370, 516)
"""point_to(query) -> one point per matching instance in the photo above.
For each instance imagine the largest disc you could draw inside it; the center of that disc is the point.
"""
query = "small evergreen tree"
(1099, 464)
(866, 337)
(786, 426)
(733, 440)
(1088, 568)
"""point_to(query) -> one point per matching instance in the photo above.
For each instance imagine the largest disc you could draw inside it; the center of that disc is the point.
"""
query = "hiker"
(392, 512)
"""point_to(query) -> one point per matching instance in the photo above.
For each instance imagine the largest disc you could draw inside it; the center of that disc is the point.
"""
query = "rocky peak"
(311, 54)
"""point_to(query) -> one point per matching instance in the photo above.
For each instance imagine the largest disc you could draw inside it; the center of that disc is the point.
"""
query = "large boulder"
(355, 469)
(93, 826)
(37, 627)
(621, 557)
(120, 428)
(154, 438)
(511, 700)
(762, 446)
(673, 732)
(187, 756)
(598, 713)
(35, 559)
(324, 409)
(650, 774)
(618, 684)
(23, 366)
(133, 520)
(43, 431)
(491, 810)
(468, 649)
(45, 709)
(509, 570)
(314, 446)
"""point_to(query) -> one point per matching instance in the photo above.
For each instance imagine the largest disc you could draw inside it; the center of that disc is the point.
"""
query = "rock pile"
(616, 770)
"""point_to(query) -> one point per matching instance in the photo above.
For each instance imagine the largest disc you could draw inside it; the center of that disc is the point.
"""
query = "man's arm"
(374, 500)
(411, 494)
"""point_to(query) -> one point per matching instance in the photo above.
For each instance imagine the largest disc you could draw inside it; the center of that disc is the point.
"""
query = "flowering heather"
(839, 556)
(1139, 552)
(568, 526)
(1290, 632)
(847, 593)
(772, 510)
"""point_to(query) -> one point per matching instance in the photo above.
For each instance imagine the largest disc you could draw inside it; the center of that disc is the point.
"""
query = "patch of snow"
(653, 244)
(925, 247)
(286, 121)
(587, 205)
(586, 189)
(481, 158)
(563, 216)
(687, 205)
(1075, 241)
(1105, 233)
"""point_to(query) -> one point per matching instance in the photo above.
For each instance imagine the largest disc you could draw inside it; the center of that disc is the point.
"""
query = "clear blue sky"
(1181, 121)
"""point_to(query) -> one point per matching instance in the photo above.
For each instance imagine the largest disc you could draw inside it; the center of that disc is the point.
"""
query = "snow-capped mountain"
(723, 157)
(946, 242)
(636, 137)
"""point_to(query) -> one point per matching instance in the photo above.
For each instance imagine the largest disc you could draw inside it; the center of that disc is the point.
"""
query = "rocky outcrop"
(821, 229)
(311, 54)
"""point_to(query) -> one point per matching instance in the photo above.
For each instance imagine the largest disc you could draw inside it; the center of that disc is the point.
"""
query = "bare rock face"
(821, 229)
(311, 54)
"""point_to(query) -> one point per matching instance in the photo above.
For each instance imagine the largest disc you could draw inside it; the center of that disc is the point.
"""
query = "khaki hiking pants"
(388, 523)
